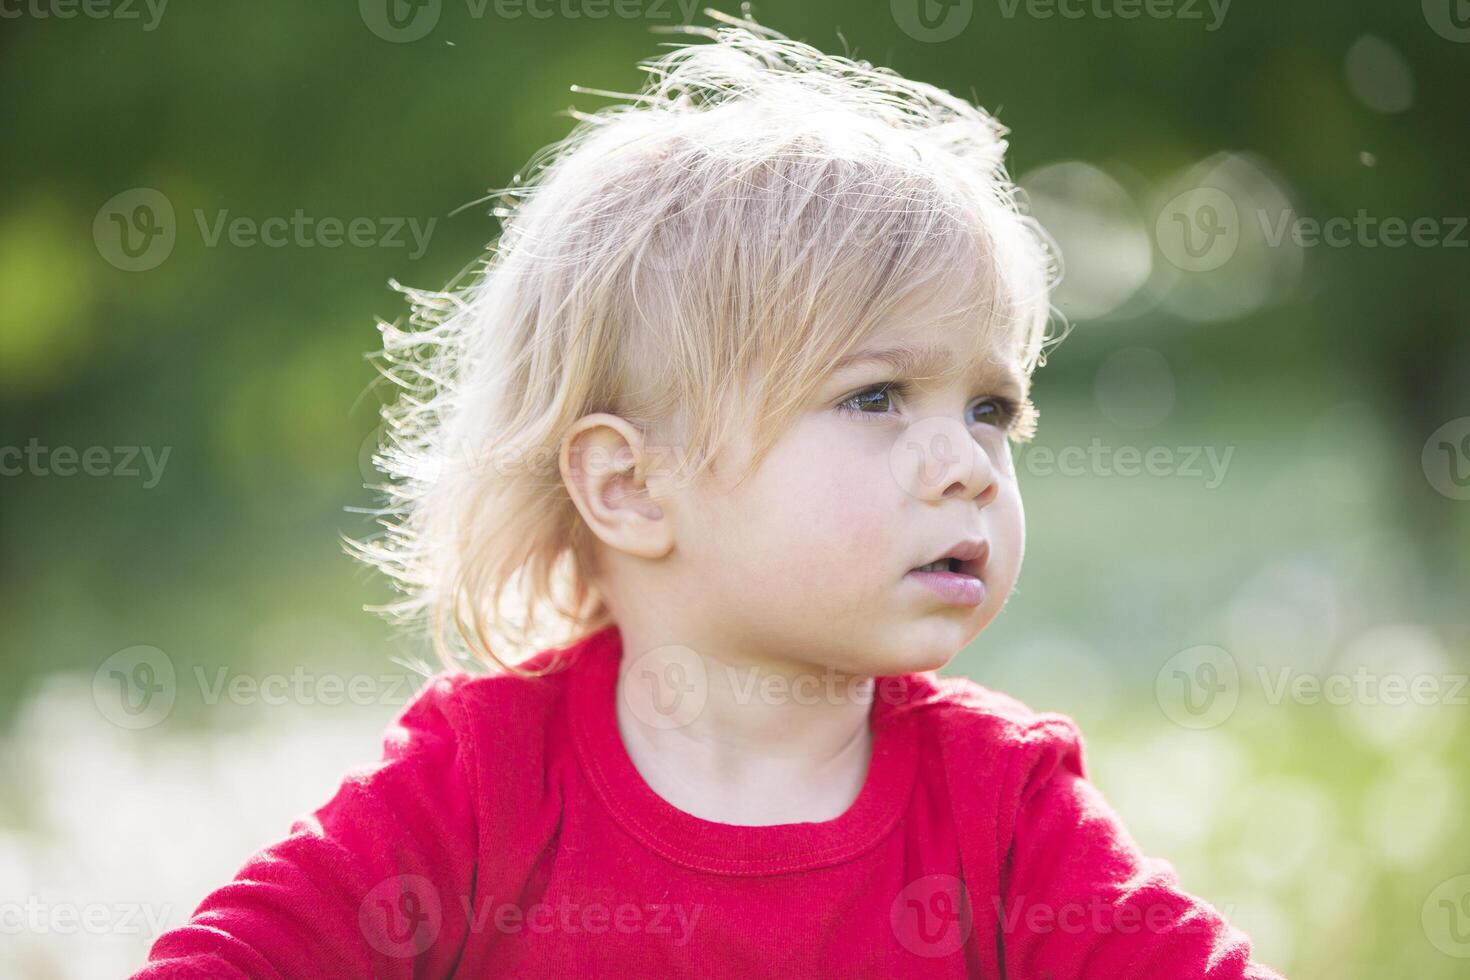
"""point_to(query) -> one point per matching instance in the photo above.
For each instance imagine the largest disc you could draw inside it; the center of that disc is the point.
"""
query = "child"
(721, 438)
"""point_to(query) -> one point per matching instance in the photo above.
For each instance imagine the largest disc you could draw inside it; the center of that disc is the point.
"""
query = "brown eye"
(998, 412)
(877, 400)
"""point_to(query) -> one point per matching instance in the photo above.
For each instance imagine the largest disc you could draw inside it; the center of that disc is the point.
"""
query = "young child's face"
(809, 559)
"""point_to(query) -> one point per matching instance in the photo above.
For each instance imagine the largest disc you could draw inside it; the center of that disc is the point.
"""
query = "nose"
(942, 459)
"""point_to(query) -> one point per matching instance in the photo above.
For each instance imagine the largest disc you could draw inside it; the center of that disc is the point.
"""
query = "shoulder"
(980, 728)
(495, 734)
(476, 705)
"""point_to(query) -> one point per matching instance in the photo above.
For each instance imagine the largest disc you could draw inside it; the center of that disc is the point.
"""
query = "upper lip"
(971, 553)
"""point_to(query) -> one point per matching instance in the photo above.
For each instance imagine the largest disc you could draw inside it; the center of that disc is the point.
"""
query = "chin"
(938, 640)
(929, 651)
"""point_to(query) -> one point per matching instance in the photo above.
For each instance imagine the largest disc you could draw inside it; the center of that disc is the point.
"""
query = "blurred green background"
(1305, 398)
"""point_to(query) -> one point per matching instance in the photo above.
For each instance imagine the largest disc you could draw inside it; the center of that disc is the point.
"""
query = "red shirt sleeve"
(1078, 899)
(366, 886)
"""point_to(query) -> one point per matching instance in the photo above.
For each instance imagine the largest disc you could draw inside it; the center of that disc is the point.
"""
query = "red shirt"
(506, 832)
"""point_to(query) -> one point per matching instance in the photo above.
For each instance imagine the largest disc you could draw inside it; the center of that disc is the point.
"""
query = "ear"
(605, 465)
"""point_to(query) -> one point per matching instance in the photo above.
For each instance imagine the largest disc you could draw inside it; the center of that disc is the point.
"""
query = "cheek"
(1006, 525)
(825, 505)
(850, 526)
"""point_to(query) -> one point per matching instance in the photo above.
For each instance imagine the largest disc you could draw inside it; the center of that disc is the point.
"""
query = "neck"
(743, 738)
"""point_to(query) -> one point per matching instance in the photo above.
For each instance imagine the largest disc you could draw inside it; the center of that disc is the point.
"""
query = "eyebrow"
(925, 361)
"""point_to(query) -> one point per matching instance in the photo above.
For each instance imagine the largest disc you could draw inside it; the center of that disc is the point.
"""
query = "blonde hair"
(713, 242)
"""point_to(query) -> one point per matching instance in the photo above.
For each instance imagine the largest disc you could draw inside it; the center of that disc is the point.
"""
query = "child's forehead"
(945, 327)
(928, 355)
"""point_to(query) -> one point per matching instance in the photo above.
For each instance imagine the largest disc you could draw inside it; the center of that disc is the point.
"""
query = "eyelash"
(1009, 409)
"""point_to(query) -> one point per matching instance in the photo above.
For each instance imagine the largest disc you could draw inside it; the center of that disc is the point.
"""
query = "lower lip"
(952, 587)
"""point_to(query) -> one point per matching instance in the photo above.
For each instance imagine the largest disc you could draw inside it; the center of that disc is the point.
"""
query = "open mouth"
(953, 581)
(942, 565)
(965, 560)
